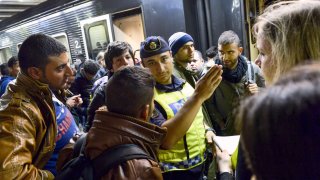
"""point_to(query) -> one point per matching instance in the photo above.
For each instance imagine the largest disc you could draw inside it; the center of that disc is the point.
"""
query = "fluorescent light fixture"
(50, 16)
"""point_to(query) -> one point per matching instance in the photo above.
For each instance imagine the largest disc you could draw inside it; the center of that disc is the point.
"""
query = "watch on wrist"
(210, 129)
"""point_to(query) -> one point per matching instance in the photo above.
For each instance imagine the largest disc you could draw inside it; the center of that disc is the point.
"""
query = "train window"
(5, 54)
(98, 36)
(62, 37)
(128, 26)
(97, 33)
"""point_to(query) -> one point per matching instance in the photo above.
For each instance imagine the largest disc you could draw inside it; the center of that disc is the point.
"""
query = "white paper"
(229, 143)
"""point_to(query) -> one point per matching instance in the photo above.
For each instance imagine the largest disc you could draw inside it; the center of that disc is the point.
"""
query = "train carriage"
(86, 27)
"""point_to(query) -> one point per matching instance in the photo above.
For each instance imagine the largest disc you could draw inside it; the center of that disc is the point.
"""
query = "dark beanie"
(153, 45)
(177, 40)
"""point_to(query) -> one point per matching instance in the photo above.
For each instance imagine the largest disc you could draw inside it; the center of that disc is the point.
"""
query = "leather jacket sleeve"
(139, 169)
(19, 134)
(153, 172)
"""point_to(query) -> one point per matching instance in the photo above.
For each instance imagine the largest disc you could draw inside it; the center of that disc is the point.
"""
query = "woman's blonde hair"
(293, 30)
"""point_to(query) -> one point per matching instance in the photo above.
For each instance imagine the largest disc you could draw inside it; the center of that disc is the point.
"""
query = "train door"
(125, 26)
(97, 35)
(5, 54)
(128, 26)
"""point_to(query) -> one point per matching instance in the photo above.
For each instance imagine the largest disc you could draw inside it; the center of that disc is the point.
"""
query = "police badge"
(152, 45)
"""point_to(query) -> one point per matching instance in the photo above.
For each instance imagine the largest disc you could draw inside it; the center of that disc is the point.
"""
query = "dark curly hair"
(115, 49)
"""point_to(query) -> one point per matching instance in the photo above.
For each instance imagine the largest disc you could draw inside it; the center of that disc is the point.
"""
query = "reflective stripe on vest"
(176, 158)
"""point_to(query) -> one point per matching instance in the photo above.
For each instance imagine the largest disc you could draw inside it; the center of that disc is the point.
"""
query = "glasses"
(152, 44)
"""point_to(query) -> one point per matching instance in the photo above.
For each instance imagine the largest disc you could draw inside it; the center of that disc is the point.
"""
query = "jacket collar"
(32, 86)
(129, 125)
(176, 85)
(122, 129)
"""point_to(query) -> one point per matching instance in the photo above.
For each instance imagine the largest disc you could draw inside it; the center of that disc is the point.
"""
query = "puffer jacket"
(27, 130)
(110, 129)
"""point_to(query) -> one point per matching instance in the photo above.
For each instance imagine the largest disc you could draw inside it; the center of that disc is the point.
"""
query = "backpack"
(81, 167)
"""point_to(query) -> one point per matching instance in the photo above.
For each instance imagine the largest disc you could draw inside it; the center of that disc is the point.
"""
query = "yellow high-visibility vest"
(194, 144)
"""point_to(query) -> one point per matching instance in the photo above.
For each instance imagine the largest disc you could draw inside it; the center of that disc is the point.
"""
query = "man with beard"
(240, 78)
(182, 49)
(28, 126)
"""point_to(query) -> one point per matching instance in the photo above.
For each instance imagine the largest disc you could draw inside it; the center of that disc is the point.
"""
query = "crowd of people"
(171, 106)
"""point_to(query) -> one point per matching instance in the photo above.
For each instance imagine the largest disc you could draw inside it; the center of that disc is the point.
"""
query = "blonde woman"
(287, 33)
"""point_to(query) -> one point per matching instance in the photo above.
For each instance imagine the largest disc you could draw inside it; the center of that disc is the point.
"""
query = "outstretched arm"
(181, 122)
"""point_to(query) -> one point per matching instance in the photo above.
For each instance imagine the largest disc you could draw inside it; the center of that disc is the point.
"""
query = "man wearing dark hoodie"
(240, 79)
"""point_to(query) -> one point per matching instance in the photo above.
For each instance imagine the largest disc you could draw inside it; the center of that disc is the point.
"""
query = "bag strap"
(79, 145)
(252, 71)
(117, 155)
